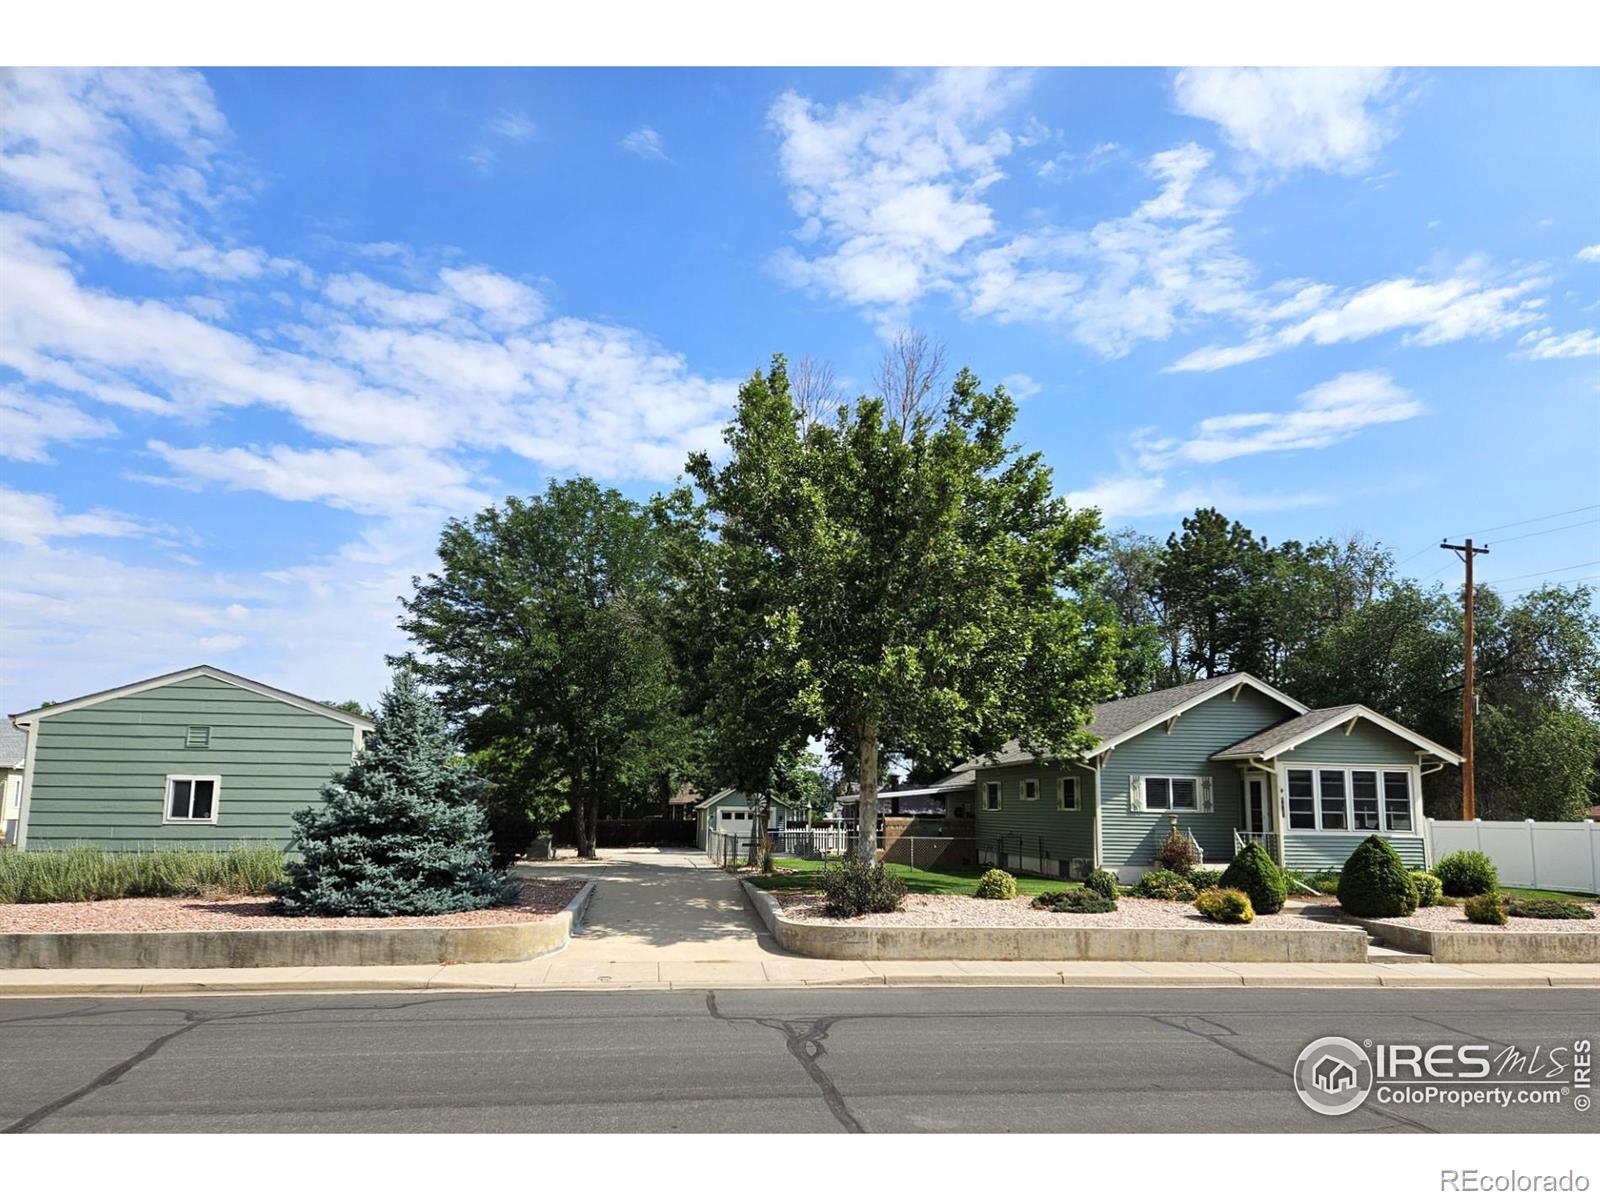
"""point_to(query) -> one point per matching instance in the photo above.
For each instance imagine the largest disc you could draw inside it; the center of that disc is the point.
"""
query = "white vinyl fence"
(1563, 856)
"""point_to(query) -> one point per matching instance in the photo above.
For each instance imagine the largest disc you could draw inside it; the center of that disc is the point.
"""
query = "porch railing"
(1269, 841)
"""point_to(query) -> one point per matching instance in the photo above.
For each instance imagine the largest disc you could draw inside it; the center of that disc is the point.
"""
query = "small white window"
(1397, 800)
(991, 796)
(1030, 789)
(192, 799)
(1171, 794)
(1067, 793)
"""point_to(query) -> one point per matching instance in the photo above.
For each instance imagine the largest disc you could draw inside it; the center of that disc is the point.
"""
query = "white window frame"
(1199, 791)
(991, 788)
(1025, 787)
(1348, 770)
(216, 799)
(1062, 789)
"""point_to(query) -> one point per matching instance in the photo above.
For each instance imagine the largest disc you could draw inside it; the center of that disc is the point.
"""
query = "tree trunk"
(583, 831)
(593, 805)
(867, 834)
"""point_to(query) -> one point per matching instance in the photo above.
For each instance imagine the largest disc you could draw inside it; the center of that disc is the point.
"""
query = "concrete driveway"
(662, 905)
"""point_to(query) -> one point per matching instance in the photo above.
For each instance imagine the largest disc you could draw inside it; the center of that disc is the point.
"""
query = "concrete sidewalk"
(559, 972)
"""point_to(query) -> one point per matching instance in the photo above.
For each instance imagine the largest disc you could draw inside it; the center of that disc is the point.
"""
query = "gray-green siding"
(1131, 838)
(1036, 830)
(1366, 745)
(99, 772)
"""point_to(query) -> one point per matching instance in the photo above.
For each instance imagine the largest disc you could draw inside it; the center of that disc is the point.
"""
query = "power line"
(1541, 532)
(1534, 587)
(1546, 573)
(1533, 520)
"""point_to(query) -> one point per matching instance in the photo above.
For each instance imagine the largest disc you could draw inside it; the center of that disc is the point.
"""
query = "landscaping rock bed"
(968, 912)
(536, 900)
(1450, 918)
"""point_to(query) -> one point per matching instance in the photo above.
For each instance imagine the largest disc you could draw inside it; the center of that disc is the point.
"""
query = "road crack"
(805, 1043)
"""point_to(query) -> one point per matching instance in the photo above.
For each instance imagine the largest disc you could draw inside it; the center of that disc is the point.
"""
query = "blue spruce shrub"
(402, 832)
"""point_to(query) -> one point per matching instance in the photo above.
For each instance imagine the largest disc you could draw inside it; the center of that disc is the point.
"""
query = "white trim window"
(192, 800)
(991, 796)
(1067, 793)
(1171, 793)
(1030, 789)
(1349, 799)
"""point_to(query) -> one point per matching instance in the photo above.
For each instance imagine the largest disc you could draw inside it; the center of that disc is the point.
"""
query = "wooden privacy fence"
(1563, 856)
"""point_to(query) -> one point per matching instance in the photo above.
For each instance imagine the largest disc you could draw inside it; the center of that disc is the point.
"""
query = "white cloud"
(1543, 343)
(1470, 303)
(502, 301)
(507, 125)
(1329, 413)
(382, 481)
(29, 423)
(1590, 254)
(646, 143)
(33, 519)
(1129, 496)
(1022, 387)
(512, 125)
(1288, 118)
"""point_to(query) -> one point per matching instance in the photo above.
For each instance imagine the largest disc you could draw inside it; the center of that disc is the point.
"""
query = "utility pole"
(1469, 796)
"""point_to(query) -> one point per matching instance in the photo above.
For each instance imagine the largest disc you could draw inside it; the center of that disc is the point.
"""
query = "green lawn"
(1536, 894)
(805, 875)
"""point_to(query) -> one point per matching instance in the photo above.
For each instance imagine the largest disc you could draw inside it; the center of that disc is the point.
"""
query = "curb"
(1487, 945)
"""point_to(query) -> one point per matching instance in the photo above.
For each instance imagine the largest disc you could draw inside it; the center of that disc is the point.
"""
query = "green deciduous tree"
(544, 632)
(914, 575)
(401, 832)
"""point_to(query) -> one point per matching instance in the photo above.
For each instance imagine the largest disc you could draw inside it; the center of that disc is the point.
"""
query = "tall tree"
(1213, 584)
(918, 576)
(543, 631)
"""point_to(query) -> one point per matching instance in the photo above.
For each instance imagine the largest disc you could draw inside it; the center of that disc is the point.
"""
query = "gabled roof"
(1286, 735)
(685, 795)
(13, 745)
(712, 800)
(1116, 721)
(250, 685)
(960, 780)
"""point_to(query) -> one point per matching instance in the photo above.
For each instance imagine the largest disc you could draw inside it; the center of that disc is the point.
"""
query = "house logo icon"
(1333, 1076)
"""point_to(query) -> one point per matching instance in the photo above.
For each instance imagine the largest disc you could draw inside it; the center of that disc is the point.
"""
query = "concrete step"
(1379, 953)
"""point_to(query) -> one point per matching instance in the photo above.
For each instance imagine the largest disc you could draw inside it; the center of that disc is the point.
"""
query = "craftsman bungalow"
(1226, 760)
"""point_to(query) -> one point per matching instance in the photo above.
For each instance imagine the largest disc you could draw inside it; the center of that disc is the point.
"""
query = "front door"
(1256, 799)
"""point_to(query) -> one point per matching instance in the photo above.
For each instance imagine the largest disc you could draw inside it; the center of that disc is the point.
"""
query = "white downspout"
(29, 728)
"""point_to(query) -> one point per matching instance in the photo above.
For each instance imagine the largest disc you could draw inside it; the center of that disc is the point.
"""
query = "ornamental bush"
(1079, 900)
(1102, 883)
(1203, 877)
(853, 886)
(1430, 891)
(1177, 853)
(1253, 872)
(1549, 910)
(401, 833)
(1467, 873)
(1375, 883)
(1487, 909)
(1164, 885)
(995, 884)
(1228, 906)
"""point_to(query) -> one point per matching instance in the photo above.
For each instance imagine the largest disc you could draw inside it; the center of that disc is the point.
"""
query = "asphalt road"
(823, 1060)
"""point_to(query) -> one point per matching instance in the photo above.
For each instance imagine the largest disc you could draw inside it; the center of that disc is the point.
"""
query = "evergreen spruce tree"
(401, 833)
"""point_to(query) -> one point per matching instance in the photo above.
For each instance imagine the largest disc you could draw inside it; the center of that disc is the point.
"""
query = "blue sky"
(262, 332)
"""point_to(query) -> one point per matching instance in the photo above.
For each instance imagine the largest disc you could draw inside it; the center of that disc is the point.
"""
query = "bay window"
(1340, 799)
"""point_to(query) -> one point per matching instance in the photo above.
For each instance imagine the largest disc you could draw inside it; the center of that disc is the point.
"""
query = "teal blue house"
(200, 757)
(1225, 760)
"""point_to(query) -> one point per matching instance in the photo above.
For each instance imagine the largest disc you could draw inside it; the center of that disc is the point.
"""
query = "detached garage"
(729, 811)
(201, 758)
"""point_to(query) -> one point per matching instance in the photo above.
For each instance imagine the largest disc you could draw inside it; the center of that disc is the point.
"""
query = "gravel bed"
(538, 899)
(968, 911)
(1449, 917)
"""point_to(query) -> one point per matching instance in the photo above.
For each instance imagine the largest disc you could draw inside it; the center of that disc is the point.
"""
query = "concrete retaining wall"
(1490, 945)
(417, 945)
(1034, 943)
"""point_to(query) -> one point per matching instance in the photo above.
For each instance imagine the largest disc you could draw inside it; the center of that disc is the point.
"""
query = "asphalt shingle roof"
(1283, 731)
(13, 744)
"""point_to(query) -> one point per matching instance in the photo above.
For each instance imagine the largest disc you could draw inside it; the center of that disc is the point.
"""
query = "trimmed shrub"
(1227, 906)
(1549, 910)
(1079, 900)
(1430, 891)
(1324, 881)
(1103, 883)
(402, 832)
(995, 884)
(1375, 883)
(1177, 853)
(1487, 909)
(1164, 885)
(1253, 872)
(81, 873)
(853, 886)
(1204, 877)
(1467, 873)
